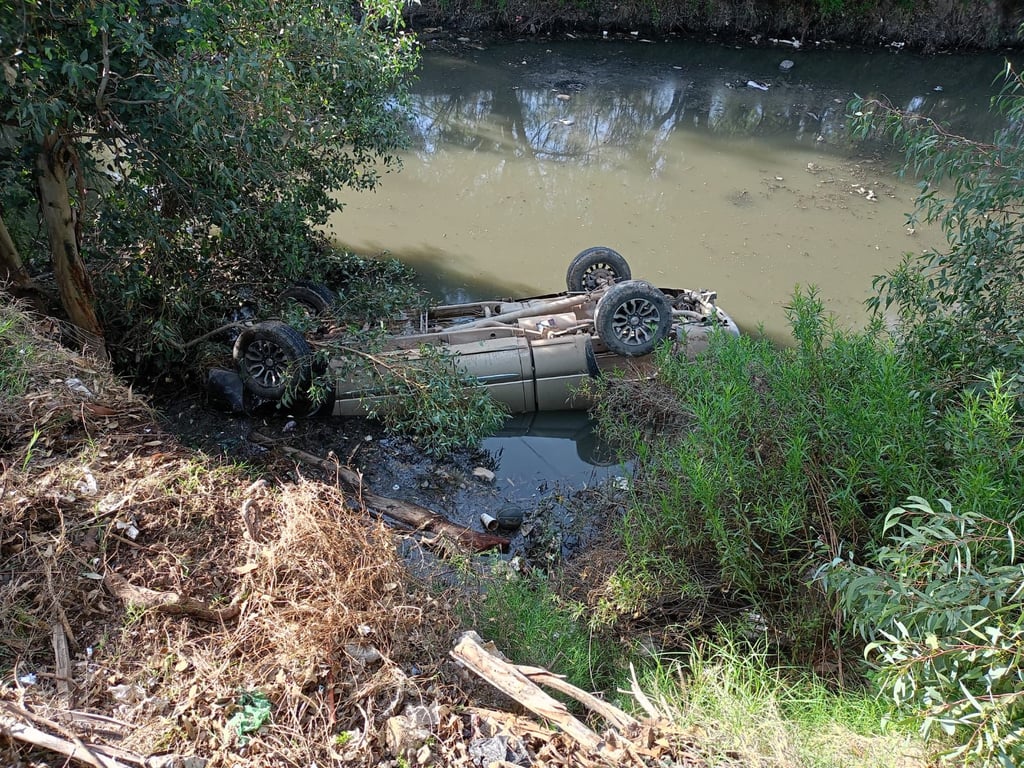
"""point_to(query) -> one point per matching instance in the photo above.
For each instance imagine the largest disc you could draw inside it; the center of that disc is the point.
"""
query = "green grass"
(17, 352)
(749, 711)
(531, 625)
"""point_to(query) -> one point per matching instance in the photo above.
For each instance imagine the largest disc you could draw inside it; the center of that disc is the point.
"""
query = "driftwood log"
(405, 512)
(166, 602)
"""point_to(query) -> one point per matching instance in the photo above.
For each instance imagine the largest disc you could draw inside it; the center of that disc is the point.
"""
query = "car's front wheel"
(273, 358)
(596, 268)
(632, 318)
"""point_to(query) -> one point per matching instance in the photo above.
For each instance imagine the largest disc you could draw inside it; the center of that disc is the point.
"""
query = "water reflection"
(525, 154)
(551, 105)
(547, 448)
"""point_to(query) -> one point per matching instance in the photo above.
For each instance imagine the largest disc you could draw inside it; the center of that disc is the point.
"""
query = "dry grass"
(329, 623)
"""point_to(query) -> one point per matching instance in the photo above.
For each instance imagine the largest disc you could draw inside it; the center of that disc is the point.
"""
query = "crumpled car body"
(530, 354)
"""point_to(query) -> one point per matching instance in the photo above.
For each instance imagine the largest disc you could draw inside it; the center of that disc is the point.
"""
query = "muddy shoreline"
(560, 520)
(945, 25)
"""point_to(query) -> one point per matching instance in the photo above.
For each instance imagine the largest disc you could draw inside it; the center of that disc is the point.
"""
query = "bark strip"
(166, 602)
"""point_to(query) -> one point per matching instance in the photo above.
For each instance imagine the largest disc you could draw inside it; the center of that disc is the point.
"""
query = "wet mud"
(550, 510)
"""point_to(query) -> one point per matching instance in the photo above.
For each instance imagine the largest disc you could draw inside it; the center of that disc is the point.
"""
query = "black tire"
(596, 268)
(273, 358)
(315, 297)
(633, 318)
(304, 407)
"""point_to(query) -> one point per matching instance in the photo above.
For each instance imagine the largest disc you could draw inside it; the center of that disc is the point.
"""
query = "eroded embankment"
(928, 26)
(161, 607)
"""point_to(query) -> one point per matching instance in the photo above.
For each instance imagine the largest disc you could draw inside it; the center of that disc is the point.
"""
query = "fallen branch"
(62, 662)
(15, 722)
(405, 512)
(166, 602)
(509, 680)
(612, 714)
(20, 725)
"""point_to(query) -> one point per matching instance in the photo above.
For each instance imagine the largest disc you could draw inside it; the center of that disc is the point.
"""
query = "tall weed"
(790, 452)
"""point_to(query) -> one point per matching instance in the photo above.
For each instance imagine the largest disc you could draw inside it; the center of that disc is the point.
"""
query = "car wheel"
(273, 357)
(632, 318)
(314, 297)
(596, 268)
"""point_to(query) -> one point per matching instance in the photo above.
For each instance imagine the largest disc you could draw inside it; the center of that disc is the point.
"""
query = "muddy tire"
(272, 358)
(314, 297)
(632, 318)
(596, 268)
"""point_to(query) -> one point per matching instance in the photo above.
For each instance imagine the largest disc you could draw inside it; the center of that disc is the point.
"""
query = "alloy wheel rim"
(635, 321)
(265, 363)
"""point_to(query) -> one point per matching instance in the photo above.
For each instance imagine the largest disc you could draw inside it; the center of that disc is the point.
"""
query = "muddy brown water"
(706, 166)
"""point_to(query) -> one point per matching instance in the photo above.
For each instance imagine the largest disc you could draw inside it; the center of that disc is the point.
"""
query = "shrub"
(789, 451)
(961, 311)
(943, 609)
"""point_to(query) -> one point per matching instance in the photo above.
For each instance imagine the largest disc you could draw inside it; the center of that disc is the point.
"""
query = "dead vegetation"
(159, 608)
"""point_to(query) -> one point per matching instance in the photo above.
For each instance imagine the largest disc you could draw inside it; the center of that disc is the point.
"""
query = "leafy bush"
(961, 311)
(789, 451)
(434, 402)
(206, 141)
(943, 609)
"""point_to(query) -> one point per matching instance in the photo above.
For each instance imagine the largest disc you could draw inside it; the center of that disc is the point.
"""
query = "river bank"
(927, 26)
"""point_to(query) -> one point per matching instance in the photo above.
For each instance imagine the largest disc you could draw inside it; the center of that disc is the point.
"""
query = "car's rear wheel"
(632, 318)
(273, 358)
(316, 298)
(596, 268)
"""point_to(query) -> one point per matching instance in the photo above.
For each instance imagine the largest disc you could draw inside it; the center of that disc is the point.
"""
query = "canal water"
(706, 166)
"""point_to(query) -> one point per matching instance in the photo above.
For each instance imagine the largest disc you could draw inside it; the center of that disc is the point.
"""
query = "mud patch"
(548, 470)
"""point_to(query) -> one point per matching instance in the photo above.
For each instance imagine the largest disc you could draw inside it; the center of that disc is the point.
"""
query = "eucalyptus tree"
(175, 147)
(962, 309)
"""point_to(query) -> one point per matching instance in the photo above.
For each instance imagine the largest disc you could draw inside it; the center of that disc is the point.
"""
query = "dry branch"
(16, 723)
(166, 602)
(612, 714)
(405, 512)
(62, 662)
(513, 683)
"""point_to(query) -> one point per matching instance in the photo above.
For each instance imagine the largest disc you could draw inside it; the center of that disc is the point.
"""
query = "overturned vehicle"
(529, 354)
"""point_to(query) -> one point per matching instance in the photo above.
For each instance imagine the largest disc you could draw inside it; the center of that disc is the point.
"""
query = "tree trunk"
(11, 269)
(13, 274)
(76, 293)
